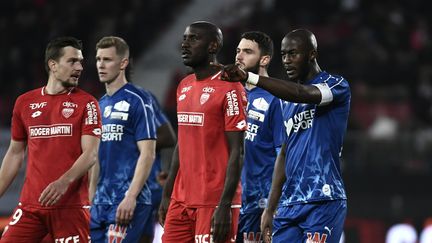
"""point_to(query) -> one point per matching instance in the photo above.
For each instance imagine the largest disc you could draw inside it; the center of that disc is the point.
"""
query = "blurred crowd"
(28, 25)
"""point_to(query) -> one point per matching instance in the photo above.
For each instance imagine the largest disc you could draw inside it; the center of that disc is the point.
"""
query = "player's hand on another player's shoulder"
(53, 192)
(125, 210)
(267, 225)
(221, 223)
(231, 72)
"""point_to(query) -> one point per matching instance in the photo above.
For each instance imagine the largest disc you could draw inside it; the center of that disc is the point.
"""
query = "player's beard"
(254, 69)
(69, 84)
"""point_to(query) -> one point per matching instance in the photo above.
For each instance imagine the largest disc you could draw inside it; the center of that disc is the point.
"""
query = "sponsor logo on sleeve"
(233, 106)
(241, 124)
(92, 114)
(190, 119)
(49, 131)
(97, 131)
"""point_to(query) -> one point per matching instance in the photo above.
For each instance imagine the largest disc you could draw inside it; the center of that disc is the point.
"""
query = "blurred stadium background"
(383, 48)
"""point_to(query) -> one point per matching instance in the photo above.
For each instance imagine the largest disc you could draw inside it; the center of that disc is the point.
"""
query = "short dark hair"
(54, 49)
(265, 43)
(122, 48)
(214, 32)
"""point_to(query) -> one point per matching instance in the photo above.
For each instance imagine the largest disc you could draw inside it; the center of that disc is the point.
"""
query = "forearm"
(232, 178)
(89, 146)
(278, 180)
(81, 166)
(94, 176)
(175, 164)
(142, 172)
(9, 169)
(290, 91)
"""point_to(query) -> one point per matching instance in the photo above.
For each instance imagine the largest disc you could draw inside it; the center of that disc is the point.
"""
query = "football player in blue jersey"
(262, 138)
(166, 138)
(307, 187)
(122, 199)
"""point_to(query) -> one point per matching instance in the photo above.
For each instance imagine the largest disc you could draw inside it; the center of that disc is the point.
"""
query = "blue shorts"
(104, 229)
(249, 227)
(316, 222)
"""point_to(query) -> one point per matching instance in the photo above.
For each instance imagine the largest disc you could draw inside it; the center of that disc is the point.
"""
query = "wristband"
(252, 78)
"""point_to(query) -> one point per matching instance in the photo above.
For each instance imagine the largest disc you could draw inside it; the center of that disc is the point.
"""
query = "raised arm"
(286, 90)
(11, 164)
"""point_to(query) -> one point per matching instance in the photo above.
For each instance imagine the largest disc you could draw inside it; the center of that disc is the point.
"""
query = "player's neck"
(204, 71)
(55, 88)
(114, 86)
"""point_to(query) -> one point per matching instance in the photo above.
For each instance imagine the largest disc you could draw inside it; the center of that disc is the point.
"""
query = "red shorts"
(183, 224)
(29, 225)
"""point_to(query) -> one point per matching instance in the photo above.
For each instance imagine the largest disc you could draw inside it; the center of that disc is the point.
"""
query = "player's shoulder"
(221, 84)
(332, 78)
(135, 93)
(81, 95)
(31, 95)
(188, 79)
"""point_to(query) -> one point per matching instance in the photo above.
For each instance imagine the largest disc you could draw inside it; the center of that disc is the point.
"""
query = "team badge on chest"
(67, 112)
(204, 97)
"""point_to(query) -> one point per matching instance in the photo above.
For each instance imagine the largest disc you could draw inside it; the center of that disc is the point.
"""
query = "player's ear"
(313, 55)
(265, 60)
(124, 63)
(213, 47)
(52, 65)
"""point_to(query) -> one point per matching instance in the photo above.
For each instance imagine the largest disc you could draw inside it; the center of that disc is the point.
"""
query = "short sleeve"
(235, 102)
(334, 89)
(92, 122)
(144, 119)
(19, 132)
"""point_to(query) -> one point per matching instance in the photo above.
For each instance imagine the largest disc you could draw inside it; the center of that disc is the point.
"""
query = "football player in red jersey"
(201, 198)
(59, 125)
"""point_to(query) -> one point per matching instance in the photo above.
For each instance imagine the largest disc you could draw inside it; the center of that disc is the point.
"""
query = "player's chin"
(70, 83)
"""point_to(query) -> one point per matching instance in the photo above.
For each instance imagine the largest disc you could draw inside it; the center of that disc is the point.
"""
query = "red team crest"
(204, 97)
(67, 112)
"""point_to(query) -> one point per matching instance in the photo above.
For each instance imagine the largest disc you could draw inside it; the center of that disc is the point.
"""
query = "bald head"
(213, 32)
(304, 36)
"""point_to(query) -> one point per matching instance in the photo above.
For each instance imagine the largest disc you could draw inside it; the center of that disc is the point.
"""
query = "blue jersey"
(155, 187)
(127, 117)
(262, 143)
(313, 137)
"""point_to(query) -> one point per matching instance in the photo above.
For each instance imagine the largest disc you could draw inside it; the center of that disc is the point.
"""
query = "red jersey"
(206, 109)
(52, 126)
